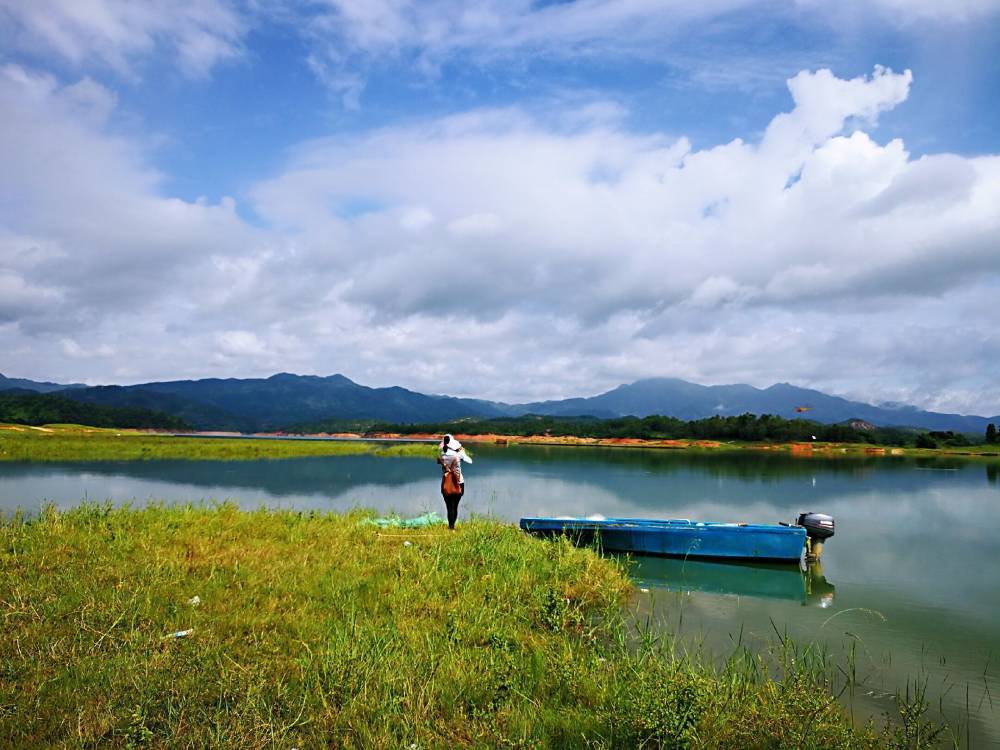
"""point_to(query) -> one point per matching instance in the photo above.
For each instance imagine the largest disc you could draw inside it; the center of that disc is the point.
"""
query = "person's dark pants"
(451, 503)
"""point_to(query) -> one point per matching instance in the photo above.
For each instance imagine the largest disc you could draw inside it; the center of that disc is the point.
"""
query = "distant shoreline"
(69, 442)
(821, 449)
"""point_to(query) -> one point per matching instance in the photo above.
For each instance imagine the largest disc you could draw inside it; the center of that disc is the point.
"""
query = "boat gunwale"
(657, 525)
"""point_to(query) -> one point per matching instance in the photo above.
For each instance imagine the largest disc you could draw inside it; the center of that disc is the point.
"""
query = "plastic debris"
(179, 634)
(645, 591)
(407, 543)
(395, 522)
(194, 601)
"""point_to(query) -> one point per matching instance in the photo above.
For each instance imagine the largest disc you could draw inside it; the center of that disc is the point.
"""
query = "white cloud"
(240, 343)
(509, 254)
(609, 209)
(436, 29)
(74, 350)
(910, 11)
(118, 33)
(82, 213)
(350, 38)
(19, 297)
(476, 225)
(416, 219)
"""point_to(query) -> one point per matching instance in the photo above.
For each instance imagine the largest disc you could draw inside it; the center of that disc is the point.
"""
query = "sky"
(505, 199)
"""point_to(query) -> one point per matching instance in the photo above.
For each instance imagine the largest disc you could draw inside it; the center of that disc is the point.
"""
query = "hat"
(449, 443)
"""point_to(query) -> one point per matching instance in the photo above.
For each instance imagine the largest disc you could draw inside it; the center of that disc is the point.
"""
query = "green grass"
(315, 631)
(76, 443)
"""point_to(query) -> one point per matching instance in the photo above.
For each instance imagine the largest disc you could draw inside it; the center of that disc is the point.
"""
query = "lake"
(909, 588)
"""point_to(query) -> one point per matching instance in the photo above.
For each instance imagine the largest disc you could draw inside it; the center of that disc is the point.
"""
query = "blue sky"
(725, 80)
(266, 185)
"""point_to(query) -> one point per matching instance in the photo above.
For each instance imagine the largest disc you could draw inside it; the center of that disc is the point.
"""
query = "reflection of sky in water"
(914, 544)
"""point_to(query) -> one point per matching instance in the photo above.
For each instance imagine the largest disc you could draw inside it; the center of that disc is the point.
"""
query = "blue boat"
(683, 538)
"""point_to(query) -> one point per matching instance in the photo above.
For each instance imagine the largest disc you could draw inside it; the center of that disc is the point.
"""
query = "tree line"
(25, 407)
(745, 427)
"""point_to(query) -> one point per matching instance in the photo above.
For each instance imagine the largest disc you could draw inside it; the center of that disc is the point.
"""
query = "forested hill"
(21, 406)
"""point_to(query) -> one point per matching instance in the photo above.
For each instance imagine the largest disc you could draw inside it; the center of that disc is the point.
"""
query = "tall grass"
(315, 631)
(65, 444)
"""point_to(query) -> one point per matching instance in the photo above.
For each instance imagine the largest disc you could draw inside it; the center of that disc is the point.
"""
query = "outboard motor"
(819, 528)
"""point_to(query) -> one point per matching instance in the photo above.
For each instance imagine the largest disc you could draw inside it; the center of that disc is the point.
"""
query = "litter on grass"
(395, 522)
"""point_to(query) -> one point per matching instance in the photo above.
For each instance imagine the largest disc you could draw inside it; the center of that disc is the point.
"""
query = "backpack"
(450, 484)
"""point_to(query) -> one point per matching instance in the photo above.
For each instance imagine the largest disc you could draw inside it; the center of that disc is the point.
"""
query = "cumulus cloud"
(83, 219)
(511, 254)
(530, 213)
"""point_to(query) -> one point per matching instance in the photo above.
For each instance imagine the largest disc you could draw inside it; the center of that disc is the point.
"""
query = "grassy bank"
(76, 443)
(313, 631)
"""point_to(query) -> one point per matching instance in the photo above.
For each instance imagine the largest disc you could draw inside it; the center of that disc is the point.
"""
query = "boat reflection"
(765, 580)
(819, 591)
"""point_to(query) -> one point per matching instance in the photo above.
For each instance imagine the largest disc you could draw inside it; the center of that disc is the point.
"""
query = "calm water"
(911, 580)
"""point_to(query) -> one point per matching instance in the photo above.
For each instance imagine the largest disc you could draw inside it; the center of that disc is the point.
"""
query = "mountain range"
(284, 400)
(7, 384)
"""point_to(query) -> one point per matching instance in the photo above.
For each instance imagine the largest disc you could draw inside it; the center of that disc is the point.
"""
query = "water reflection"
(770, 580)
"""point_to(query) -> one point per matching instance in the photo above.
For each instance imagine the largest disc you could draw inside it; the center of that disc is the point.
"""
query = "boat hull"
(678, 538)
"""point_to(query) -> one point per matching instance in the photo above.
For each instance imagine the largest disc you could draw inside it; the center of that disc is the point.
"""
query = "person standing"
(451, 455)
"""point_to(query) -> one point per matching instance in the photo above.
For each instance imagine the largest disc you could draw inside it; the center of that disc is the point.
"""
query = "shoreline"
(67, 442)
(804, 450)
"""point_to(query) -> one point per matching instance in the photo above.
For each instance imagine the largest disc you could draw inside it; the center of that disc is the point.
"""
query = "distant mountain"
(199, 415)
(684, 400)
(32, 385)
(283, 400)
